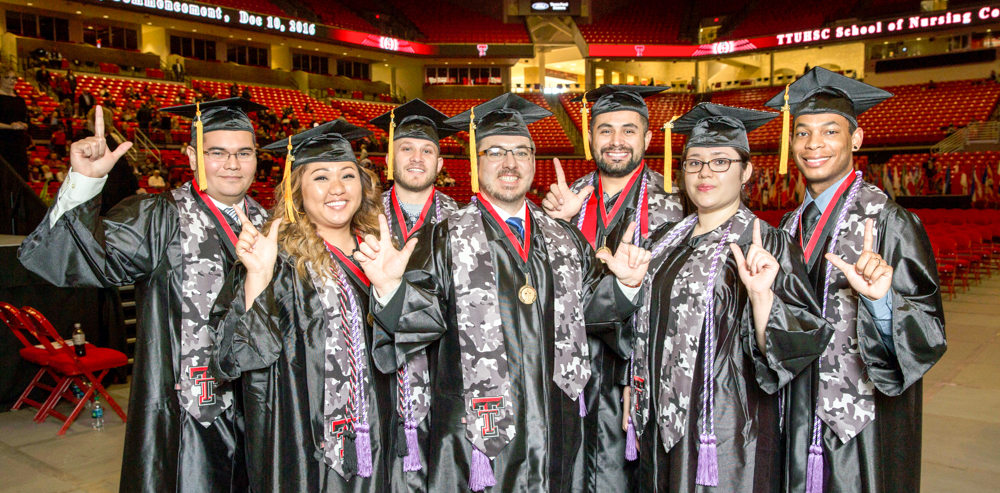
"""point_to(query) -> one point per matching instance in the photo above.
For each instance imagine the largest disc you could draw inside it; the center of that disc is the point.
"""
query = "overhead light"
(316, 49)
(149, 23)
(918, 39)
(345, 52)
(387, 65)
(105, 17)
(78, 12)
(194, 30)
(300, 46)
(249, 39)
(30, 4)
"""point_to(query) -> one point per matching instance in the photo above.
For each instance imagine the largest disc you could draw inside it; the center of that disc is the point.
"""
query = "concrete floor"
(961, 420)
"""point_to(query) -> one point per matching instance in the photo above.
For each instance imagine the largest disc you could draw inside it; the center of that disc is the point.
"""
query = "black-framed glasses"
(720, 165)
(220, 156)
(497, 154)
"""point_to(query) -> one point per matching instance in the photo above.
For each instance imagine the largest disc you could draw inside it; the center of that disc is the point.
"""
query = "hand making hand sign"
(870, 276)
(382, 263)
(561, 202)
(630, 262)
(90, 156)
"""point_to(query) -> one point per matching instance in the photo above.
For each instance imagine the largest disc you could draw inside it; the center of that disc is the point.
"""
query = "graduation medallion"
(604, 249)
(527, 294)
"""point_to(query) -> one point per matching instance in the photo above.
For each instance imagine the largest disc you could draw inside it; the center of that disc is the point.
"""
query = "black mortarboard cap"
(415, 120)
(715, 125)
(329, 142)
(615, 97)
(822, 91)
(222, 114)
(507, 114)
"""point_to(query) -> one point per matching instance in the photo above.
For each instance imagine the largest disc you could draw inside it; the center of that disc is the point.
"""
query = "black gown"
(401, 481)
(885, 456)
(604, 459)
(277, 351)
(747, 379)
(547, 452)
(138, 242)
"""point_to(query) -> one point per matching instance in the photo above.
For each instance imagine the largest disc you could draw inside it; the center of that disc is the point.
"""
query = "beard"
(506, 195)
(612, 171)
(415, 187)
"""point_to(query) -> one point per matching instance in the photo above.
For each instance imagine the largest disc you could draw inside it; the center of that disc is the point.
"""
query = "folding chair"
(69, 369)
(36, 354)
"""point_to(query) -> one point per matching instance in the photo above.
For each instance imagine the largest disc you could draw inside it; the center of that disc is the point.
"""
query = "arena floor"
(961, 422)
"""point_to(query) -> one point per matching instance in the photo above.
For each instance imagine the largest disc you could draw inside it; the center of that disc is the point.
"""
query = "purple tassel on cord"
(814, 471)
(412, 460)
(481, 475)
(583, 405)
(363, 444)
(708, 462)
(631, 442)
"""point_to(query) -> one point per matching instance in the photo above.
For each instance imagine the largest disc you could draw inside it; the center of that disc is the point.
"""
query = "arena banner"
(214, 14)
(840, 32)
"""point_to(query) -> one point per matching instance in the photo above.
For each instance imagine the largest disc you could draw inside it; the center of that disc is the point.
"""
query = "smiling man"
(627, 190)
(854, 416)
(184, 431)
(502, 297)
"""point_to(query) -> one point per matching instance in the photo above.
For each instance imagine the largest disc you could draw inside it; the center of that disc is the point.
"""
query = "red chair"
(70, 369)
(36, 354)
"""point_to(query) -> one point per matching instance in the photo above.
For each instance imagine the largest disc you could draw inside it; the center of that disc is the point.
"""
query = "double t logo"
(200, 376)
(488, 408)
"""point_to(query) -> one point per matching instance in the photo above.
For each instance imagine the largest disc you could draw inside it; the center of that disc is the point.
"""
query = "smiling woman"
(292, 321)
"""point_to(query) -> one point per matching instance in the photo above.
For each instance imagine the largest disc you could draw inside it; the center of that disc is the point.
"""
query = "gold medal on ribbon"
(604, 249)
(527, 294)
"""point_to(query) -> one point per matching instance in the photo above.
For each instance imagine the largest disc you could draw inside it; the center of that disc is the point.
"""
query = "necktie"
(517, 226)
(233, 220)
(809, 219)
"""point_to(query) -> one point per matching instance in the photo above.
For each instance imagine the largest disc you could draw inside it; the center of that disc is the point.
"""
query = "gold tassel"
(199, 141)
(290, 211)
(668, 156)
(786, 116)
(390, 156)
(586, 129)
(473, 153)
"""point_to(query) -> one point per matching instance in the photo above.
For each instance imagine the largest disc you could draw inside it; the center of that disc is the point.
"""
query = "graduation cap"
(329, 142)
(222, 114)
(508, 114)
(614, 97)
(417, 120)
(821, 91)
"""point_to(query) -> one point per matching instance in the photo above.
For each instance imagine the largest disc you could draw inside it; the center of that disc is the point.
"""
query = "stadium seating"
(258, 6)
(445, 22)
(640, 23)
(336, 15)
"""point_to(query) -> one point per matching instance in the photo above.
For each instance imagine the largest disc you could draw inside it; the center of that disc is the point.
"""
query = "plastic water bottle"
(79, 395)
(97, 414)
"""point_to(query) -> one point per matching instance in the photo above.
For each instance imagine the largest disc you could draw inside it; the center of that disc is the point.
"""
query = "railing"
(140, 141)
(974, 133)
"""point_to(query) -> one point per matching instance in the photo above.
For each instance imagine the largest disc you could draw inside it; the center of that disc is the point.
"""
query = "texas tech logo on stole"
(206, 396)
(338, 427)
(488, 408)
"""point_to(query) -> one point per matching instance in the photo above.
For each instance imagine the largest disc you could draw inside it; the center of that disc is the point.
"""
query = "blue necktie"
(233, 220)
(516, 225)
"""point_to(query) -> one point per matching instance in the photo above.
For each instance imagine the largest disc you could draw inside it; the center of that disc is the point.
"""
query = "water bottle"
(79, 395)
(79, 341)
(97, 414)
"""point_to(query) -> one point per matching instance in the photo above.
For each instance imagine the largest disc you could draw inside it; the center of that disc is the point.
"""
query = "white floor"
(961, 420)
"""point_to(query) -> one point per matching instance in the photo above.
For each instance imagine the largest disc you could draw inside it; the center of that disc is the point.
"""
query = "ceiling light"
(105, 17)
(78, 12)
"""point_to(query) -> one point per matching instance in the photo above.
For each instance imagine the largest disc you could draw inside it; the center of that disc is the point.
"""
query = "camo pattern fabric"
(683, 332)
(341, 410)
(203, 276)
(484, 357)
(416, 371)
(662, 207)
(846, 393)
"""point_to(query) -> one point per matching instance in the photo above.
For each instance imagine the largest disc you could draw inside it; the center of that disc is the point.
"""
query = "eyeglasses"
(497, 154)
(720, 165)
(218, 156)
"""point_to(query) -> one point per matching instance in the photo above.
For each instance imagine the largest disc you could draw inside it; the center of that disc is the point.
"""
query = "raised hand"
(382, 263)
(561, 202)
(90, 156)
(871, 276)
(630, 262)
(759, 268)
(257, 252)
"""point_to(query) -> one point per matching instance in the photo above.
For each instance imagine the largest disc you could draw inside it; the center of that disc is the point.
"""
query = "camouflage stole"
(490, 422)
(203, 275)
(414, 377)
(846, 393)
(661, 207)
(345, 381)
(691, 305)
